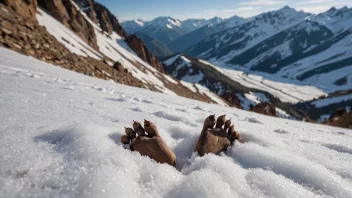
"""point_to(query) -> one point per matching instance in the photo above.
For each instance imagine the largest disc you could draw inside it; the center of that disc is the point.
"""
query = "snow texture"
(60, 134)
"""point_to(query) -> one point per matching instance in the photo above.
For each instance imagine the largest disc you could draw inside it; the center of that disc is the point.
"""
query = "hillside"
(55, 146)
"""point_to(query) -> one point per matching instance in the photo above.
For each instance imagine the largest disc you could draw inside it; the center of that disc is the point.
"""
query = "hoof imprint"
(148, 142)
(215, 140)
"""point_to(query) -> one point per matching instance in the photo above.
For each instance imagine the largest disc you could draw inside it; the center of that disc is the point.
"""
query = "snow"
(171, 60)
(60, 131)
(168, 78)
(328, 101)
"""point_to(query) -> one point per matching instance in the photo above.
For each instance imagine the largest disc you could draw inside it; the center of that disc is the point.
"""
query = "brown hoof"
(215, 140)
(149, 142)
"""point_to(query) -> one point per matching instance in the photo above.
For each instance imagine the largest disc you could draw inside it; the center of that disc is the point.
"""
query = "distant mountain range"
(165, 30)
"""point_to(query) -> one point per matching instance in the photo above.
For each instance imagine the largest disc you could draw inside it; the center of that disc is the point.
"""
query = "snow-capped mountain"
(337, 20)
(166, 29)
(227, 44)
(187, 40)
(315, 49)
(133, 26)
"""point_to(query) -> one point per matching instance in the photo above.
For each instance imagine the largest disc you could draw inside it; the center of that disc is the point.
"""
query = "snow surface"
(59, 137)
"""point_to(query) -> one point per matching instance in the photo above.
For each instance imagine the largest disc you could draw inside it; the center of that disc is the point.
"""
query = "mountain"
(159, 49)
(164, 29)
(191, 38)
(133, 26)
(226, 44)
(286, 44)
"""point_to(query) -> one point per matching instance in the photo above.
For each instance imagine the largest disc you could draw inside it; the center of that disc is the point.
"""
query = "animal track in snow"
(253, 120)
(339, 148)
(281, 131)
(172, 117)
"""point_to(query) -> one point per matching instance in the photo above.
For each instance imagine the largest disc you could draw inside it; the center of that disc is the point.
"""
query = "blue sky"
(184, 9)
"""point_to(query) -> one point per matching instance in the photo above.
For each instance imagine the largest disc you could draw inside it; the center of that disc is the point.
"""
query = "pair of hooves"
(147, 140)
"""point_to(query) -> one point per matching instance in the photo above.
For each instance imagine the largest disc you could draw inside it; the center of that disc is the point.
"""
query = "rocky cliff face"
(102, 15)
(141, 50)
(108, 21)
(26, 8)
(66, 13)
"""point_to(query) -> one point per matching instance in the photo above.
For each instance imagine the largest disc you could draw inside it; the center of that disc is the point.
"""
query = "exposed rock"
(141, 50)
(100, 14)
(265, 108)
(26, 8)
(339, 112)
(340, 118)
(232, 98)
(119, 67)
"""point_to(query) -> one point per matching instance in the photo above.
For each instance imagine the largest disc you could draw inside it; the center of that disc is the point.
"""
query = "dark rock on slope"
(26, 8)
(265, 108)
(137, 45)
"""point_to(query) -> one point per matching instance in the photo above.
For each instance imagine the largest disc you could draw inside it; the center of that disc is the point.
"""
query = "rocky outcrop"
(340, 119)
(65, 12)
(28, 37)
(141, 50)
(100, 14)
(232, 98)
(108, 22)
(265, 108)
(25, 8)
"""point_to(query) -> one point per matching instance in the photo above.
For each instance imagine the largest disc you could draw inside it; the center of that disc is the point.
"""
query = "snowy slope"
(60, 130)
